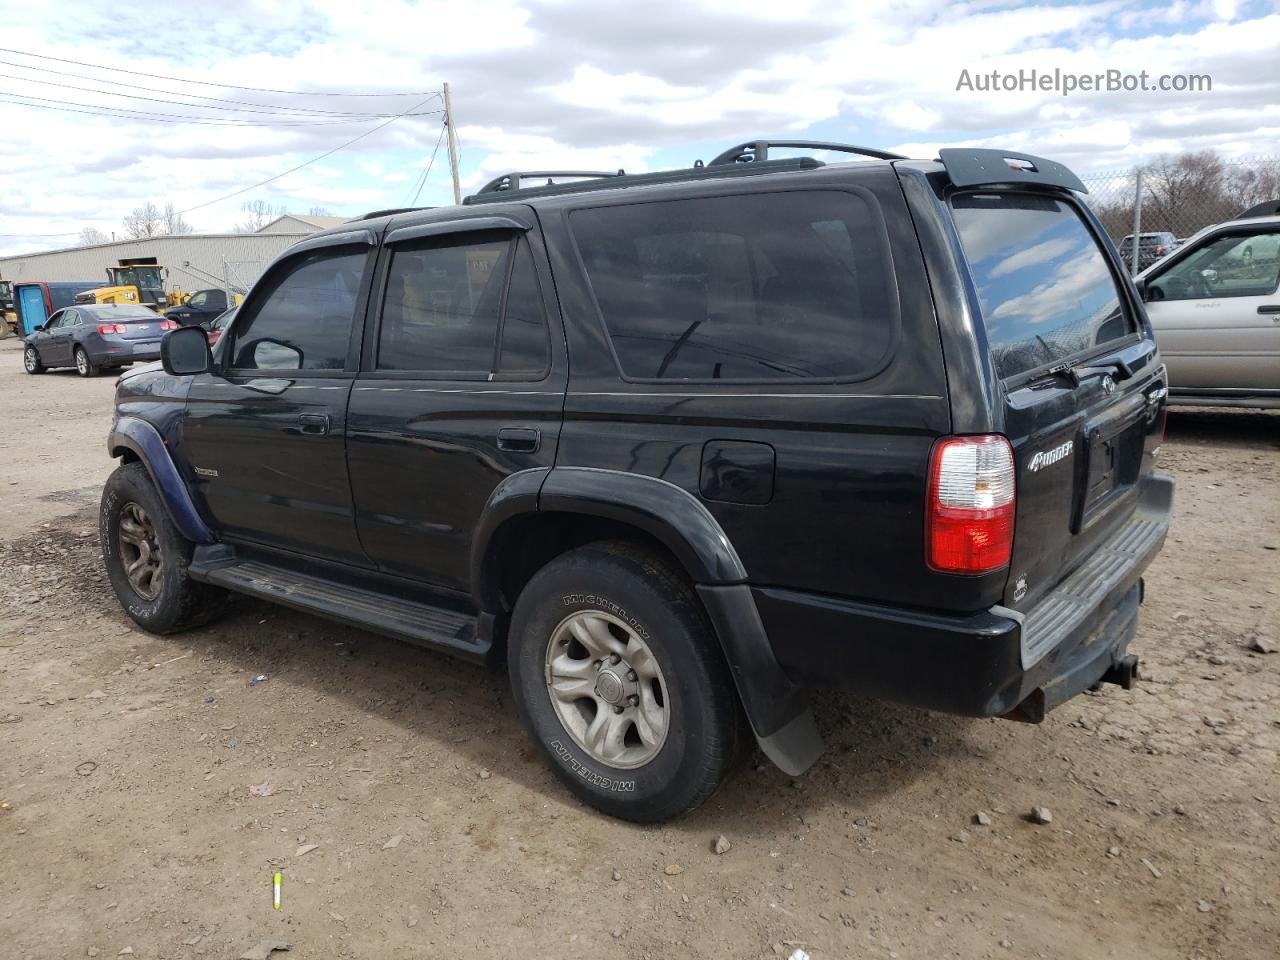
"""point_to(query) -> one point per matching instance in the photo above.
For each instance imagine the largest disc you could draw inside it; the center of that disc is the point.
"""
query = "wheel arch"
(133, 440)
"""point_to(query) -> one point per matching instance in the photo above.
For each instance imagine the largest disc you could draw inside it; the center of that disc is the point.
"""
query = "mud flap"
(777, 709)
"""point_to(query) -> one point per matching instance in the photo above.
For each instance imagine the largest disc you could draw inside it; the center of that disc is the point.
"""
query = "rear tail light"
(168, 325)
(1159, 249)
(969, 528)
(105, 328)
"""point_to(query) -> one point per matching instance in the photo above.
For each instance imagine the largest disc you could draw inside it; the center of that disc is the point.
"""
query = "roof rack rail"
(511, 181)
(374, 214)
(698, 171)
(756, 150)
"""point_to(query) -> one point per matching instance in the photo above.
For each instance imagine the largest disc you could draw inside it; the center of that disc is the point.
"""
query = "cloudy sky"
(569, 83)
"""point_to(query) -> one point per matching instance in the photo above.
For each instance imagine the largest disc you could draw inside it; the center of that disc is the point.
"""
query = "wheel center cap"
(609, 686)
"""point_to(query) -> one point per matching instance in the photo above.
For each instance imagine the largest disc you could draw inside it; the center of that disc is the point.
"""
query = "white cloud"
(554, 83)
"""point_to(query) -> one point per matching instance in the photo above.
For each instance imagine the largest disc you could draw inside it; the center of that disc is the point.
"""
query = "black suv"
(679, 447)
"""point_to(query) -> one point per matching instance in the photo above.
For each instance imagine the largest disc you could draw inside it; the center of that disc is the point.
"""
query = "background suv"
(677, 448)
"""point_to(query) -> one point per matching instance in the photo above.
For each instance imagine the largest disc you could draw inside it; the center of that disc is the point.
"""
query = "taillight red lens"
(1159, 249)
(168, 324)
(111, 328)
(969, 528)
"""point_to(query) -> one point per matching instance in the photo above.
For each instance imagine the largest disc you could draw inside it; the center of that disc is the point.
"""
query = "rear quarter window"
(781, 286)
(1045, 288)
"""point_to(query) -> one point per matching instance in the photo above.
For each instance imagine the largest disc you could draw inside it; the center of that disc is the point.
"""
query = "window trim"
(456, 233)
(1188, 250)
(1124, 288)
(881, 233)
(287, 261)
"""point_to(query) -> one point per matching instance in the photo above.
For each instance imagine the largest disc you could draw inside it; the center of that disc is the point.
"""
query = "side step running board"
(409, 620)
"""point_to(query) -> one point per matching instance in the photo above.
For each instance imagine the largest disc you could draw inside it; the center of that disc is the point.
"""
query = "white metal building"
(195, 261)
(299, 223)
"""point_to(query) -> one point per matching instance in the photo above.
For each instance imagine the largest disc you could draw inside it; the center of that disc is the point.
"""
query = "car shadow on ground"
(1224, 425)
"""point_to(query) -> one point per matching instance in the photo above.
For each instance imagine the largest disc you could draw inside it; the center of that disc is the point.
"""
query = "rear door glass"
(1046, 291)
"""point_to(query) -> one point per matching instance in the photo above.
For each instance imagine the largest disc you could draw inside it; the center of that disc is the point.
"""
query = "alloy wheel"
(140, 551)
(607, 689)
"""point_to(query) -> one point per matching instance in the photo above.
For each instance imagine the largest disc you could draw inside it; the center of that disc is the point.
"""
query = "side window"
(1232, 266)
(304, 319)
(442, 311)
(198, 300)
(54, 321)
(754, 287)
(70, 318)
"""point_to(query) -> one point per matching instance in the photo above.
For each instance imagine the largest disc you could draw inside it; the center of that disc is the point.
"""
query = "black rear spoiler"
(974, 167)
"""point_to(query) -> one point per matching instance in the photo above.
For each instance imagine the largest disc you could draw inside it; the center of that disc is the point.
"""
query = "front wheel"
(31, 361)
(146, 557)
(619, 678)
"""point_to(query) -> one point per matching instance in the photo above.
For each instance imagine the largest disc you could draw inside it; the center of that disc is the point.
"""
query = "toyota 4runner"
(679, 447)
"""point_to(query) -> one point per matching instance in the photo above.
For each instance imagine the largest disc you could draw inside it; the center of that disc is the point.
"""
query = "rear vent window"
(759, 287)
(1046, 291)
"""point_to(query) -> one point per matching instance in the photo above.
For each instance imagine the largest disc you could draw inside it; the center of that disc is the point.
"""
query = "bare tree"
(92, 235)
(319, 212)
(173, 222)
(258, 213)
(144, 221)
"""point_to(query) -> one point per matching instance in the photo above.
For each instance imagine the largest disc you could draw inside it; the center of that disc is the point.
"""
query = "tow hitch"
(1123, 673)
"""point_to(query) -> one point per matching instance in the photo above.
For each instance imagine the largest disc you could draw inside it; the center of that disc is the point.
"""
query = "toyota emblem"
(1108, 384)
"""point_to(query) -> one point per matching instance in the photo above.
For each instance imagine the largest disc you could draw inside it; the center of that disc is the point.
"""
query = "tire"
(618, 592)
(168, 601)
(84, 366)
(31, 360)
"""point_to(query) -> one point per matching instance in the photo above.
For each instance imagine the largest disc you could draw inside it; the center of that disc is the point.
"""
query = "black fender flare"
(144, 441)
(777, 708)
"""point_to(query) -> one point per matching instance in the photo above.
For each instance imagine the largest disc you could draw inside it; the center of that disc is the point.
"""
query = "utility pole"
(453, 144)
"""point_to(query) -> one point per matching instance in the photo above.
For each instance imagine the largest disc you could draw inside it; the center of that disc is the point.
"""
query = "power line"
(211, 83)
(327, 153)
(422, 181)
(127, 113)
(247, 108)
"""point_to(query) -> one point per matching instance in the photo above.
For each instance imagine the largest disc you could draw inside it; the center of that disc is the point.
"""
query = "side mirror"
(185, 351)
(37, 328)
(1141, 287)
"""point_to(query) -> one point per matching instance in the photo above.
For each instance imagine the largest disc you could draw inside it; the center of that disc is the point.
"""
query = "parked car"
(678, 448)
(93, 338)
(202, 307)
(216, 326)
(1215, 307)
(1151, 248)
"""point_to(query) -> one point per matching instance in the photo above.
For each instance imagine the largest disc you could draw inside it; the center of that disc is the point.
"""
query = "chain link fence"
(1177, 195)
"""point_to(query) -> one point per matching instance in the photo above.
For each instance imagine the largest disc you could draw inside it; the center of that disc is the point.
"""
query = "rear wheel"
(83, 365)
(146, 557)
(618, 676)
(31, 360)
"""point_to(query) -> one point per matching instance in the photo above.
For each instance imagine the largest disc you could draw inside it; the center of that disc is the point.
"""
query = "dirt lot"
(126, 819)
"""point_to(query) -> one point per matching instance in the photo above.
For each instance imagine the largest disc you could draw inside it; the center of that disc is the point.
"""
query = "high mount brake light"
(971, 505)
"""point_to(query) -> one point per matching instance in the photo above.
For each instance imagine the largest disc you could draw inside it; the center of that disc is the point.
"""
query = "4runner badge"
(1047, 458)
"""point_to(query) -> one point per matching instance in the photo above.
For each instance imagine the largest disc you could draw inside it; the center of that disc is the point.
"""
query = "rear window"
(759, 287)
(1045, 288)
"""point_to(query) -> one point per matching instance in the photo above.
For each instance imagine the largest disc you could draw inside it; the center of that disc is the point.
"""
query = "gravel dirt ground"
(410, 815)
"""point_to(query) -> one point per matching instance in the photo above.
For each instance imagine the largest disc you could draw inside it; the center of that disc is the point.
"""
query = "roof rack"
(511, 181)
(374, 214)
(756, 150)
(614, 181)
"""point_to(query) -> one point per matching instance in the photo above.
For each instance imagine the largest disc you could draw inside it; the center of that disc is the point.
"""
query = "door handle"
(519, 439)
(1269, 308)
(314, 424)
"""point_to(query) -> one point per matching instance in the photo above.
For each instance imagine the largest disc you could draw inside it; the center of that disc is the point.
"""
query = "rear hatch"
(141, 328)
(1083, 389)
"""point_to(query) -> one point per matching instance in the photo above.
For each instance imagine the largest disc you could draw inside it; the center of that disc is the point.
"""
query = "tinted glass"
(760, 287)
(443, 309)
(525, 347)
(1044, 286)
(1232, 266)
(304, 321)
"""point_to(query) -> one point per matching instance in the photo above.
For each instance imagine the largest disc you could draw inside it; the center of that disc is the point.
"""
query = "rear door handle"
(314, 424)
(1269, 308)
(518, 439)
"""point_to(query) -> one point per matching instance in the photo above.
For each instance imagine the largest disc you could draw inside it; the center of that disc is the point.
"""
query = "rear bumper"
(986, 663)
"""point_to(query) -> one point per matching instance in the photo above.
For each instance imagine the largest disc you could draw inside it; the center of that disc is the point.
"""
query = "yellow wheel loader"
(139, 280)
